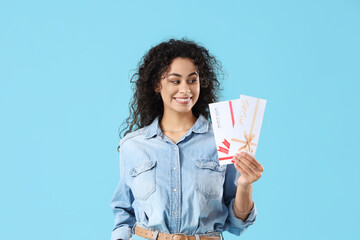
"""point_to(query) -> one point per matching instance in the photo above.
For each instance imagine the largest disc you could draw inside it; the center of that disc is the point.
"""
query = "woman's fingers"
(246, 162)
(252, 160)
(249, 165)
(242, 171)
(244, 166)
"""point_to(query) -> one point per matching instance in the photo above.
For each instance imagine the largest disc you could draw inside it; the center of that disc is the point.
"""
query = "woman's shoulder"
(136, 135)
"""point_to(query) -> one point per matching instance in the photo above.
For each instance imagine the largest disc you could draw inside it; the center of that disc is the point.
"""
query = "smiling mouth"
(183, 99)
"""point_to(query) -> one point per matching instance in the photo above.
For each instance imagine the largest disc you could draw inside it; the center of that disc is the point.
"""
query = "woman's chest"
(173, 169)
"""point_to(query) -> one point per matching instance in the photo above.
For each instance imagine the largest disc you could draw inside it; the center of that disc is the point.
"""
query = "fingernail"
(232, 161)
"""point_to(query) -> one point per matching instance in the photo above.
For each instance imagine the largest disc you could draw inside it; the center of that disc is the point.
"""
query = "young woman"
(171, 184)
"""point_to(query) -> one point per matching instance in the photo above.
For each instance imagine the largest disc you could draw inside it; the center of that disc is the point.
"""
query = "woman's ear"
(157, 88)
(157, 92)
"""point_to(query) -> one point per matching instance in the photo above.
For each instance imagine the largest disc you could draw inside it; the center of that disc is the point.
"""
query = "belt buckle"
(133, 229)
(177, 234)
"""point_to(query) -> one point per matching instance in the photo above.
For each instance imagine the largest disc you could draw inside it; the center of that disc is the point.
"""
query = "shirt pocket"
(142, 179)
(209, 178)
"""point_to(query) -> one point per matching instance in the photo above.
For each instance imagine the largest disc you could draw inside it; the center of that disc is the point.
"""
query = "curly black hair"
(146, 105)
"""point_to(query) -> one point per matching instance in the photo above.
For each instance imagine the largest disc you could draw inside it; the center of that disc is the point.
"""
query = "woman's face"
(180, 86)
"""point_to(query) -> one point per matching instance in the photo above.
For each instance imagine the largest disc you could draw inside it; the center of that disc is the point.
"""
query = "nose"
(184, 88)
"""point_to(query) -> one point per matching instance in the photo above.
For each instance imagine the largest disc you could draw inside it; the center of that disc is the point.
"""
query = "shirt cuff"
(123, 233)
(237, 222)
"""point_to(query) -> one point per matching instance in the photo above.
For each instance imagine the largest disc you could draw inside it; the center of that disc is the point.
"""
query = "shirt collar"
(153, 128)
(201, 126)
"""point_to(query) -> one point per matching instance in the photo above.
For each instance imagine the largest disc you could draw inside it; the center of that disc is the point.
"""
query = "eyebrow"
(178, 75)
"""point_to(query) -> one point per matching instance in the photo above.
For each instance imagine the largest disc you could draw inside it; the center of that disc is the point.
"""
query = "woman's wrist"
(244, 187)
(238, 211)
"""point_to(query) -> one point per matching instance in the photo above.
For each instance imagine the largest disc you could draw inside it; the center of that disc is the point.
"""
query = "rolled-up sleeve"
(233, 224)
(121, 205)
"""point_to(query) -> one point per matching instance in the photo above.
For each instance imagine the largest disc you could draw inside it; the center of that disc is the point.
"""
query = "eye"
(175, 81)
(193, 80)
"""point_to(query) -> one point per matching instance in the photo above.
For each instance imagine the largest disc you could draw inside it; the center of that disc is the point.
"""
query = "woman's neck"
(177, 121)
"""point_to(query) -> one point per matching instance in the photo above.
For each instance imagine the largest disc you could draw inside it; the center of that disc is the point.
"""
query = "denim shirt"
(175, 188)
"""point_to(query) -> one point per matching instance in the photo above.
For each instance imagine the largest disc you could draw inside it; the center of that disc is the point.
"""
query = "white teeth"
(183, 100)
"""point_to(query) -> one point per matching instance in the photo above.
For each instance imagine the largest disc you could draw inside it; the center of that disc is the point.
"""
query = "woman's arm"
(251, 170)
(121, 204)
(243, 203)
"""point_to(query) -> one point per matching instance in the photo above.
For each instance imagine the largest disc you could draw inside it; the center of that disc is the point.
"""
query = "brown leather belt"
(167, 236)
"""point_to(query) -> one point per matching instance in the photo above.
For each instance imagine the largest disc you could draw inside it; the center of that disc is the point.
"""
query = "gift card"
(237, 124)
(248, 124)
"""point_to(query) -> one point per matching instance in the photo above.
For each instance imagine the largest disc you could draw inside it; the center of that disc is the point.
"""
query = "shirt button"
(174, 168)
(174, 189)
(175, 213)
(174, 148)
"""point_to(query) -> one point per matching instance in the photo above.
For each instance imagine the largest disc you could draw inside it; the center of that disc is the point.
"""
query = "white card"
(248, 124)
(223, 115)
(237, 124)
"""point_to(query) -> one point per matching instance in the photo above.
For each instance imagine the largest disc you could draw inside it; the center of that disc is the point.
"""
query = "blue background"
(65, 68)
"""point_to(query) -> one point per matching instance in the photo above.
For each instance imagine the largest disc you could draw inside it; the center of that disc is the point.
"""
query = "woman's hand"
(250, 169)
